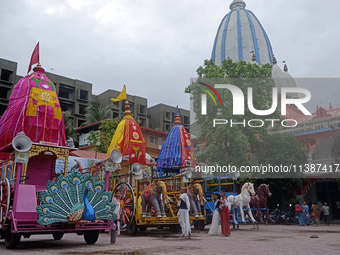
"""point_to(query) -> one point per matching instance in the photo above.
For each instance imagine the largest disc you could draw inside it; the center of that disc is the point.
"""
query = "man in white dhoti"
(183, 214)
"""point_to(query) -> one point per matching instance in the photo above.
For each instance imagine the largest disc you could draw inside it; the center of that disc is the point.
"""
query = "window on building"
(142, 122)
(186, 120)
(115, 115)
(84, 95)
(115, 104)
(66, 108)
(2, 109)
(153, 140)
(160, 143)
(142, 109)
(3, 92)
(81, 122)
(167, 127)
(66, 93)
(82, 109)
(167, 115)
(6, 75)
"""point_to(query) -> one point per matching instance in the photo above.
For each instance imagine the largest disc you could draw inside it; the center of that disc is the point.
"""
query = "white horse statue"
(242, 200)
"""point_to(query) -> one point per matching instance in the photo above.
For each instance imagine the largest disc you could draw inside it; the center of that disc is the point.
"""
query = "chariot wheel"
(142, 228)
(91, 236)
(12, 240)
(127, 204)
(199, 225)
(4, 201)
(58, 235)
(132, 228)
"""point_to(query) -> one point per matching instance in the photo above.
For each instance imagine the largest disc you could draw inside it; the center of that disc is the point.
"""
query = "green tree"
(69, 127)
(224, 144)
(277, 150)
(95, 113)
(101, 139)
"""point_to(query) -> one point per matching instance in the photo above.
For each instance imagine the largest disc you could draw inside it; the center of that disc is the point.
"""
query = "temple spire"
(274, 61)
(253, 58)
(237, 3)
(178, 119)
(127, 108)
(285, 68)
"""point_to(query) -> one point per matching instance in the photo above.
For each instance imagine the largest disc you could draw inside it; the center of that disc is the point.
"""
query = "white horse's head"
(249, 187)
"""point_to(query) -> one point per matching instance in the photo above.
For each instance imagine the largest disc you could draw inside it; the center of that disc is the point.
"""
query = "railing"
(7, 170)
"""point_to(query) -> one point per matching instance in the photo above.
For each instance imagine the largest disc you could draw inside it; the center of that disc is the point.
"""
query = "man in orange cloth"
(224, 213)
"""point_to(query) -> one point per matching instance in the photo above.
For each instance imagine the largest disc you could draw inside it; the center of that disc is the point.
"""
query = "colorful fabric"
(35, 110)
(129, 140)
(225, 218)
(300, 218)
(176, 151)
(316, 213)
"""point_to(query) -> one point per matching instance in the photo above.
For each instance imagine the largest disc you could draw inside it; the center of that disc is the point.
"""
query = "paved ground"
(272, 239)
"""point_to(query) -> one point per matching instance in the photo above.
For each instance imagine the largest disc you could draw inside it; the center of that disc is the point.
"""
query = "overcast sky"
(154, 46)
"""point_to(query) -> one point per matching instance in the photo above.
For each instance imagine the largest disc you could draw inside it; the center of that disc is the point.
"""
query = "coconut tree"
(69, 127)
(95, 113)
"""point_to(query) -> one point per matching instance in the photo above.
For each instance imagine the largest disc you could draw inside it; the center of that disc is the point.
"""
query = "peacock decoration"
(75, 199)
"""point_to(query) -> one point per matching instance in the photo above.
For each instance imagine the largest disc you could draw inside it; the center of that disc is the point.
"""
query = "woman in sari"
(316, 213)
(305, 209)
(299, 214)
(215, 228)
(225, 216)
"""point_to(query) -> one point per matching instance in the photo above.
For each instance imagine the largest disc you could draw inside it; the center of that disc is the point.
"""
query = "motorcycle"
(282, 217)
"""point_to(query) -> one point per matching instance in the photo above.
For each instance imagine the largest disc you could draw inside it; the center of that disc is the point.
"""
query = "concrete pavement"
(271, 239)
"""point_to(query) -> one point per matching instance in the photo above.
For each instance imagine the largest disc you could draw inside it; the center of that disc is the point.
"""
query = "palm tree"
(69, 128)
(95, 113)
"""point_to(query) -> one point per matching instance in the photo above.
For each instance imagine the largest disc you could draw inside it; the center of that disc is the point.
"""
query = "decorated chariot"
(150, 192)
(34, 200)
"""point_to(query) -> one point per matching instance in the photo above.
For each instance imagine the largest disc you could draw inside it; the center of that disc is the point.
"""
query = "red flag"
(34, 58)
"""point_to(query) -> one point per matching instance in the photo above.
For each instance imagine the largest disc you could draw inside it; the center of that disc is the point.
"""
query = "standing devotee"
(316, 213)
(224, 213)
(325, 209)
(305, 209)
(299, 214)
(215, 228)
(183, 214)
(116, 200)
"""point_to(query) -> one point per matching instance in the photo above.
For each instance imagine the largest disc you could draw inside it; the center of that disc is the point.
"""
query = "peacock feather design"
(75, 199)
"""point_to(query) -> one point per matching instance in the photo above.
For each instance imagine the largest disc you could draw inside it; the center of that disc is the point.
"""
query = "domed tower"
(34, 109)
(240, 35)
(177, 151)
(129, 140)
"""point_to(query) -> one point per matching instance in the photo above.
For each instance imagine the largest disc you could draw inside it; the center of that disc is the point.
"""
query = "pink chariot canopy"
(35, 110)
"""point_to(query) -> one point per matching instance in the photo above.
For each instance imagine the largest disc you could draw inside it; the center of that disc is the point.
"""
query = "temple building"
(241, 37)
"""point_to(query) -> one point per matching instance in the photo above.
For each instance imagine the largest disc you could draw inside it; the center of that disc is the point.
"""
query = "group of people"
(220, 215)
(304, 216)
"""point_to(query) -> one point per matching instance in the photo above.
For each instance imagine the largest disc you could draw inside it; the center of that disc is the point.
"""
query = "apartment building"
(162, 117)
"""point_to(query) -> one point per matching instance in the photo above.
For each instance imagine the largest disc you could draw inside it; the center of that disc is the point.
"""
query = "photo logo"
(239, 103)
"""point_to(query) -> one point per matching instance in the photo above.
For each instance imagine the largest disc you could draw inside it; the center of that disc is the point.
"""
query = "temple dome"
(239, 35)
